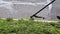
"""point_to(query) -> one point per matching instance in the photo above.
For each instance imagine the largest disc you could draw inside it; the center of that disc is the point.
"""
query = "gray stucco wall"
(14, 8)
(55, 10)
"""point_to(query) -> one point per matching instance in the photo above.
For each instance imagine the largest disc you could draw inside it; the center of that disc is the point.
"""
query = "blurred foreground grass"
(22, 26)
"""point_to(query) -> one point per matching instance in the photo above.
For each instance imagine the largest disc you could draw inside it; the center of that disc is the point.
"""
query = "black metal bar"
(34, 15)
(39, 17)
(58, 17)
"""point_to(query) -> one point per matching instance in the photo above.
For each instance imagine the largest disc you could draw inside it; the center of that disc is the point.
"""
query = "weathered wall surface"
(21, 8)
(55, 10)
(25, 8)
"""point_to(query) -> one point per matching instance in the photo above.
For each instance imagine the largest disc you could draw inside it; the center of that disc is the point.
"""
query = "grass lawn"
(28, 26)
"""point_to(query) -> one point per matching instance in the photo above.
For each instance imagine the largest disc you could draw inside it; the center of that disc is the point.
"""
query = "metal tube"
(41, 9)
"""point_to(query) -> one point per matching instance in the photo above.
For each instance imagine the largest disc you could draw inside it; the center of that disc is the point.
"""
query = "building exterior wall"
(17, 8)
(22, 8)
(55, 10)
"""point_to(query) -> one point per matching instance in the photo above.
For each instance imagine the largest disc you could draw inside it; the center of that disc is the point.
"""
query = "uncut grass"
(21, 26)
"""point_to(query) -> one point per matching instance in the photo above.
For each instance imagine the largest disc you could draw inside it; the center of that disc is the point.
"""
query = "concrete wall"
(17, 9)
(55, 10)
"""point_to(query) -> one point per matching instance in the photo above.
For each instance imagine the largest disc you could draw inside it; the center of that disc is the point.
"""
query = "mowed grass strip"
(28, 26)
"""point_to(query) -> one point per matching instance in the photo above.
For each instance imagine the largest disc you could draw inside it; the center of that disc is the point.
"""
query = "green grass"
(22, 26)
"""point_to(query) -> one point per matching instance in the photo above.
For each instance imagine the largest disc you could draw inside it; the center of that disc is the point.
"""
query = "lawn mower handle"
(34, 15)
